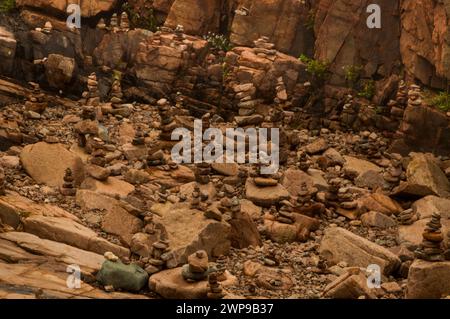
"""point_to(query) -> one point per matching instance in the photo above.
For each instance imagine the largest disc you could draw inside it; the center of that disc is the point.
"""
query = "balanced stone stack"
(197, 268)
(402, 95)
(235, 207)
(303, 162)
(349, 111)
(114, 23)
(262, 180)
(68, 187)
(36, 100)
(168, 123)
(414, 95)
(155, 157)
(48, 27)
(221, 267)
(285, 215)
(2, 181)
(245, 98)
(139, 137)
(196, 198)
(124, 22)
(281, 93)
(179, 33)
(98, 157)
(92, 95)
(116, 93)
(50, 136)
(202, 173)
(265, 49)
(215, 289)
(101, 25)
(431, 246)
(157, 261)
(394, 171)
(407, 217)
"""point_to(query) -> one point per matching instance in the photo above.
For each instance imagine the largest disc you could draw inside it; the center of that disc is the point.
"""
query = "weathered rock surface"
(428, 280)
(47, 163)
(339, 245)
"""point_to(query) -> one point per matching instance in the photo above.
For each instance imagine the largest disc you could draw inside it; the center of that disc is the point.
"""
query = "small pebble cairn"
(407, 217)
(68, 187)
(202, 173)
(215, 289)
(431, 247)
(197, 268)
(157, 263)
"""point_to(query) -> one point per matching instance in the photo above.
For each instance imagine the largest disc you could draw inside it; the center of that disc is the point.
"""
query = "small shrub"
(310, 22)
(218, 41)
(318, 69)
(7, 5)
(145, 21)
(352, 75)
(441, 101)
(368, 90)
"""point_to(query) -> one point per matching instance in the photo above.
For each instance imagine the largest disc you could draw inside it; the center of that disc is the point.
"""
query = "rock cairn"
(196, 198)
(168, 123)
(36, 99)
(262, 180)
(139, 137)
(116, 93)
(263, 48)
(414, 95)
(285, 215)
(431, 247)
(157, 261)
(245, 98)
(179, 33)
(98, 157)
(197, 268)
(221, 267)
(2, 181)
(215, 289)
(303, 162)
(202, 173)
(92, 95)
(101, 25)
(114, 23)
(281, 93)
(124, 22)
(407, 217)
(68, 187)
(155, 157)
(397, 106)
(394, 171)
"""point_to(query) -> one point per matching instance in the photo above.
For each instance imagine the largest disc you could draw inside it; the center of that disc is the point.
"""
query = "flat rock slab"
(111, 187)
(188, 231)
(171, 285)
(424, 171)
(355, 167)
(48, 280)
(265, 196)
(411, 235)
(428, 280)
(339, 244)
(432, 204)
(89, 262)
(47, 163)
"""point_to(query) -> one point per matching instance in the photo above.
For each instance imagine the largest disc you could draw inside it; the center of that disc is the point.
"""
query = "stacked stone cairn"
(157, 261)
(285, 215)
(263, 48)
(215, 289)
(68, 187)
(101, 25)
(116, 93)
(168, 123)
(124, 22)
(394, 171)
(202, 173)
(92, 95)
(245, 98)
(139, 137)
(114, 23)
(431, 247)
(407, 217)
(36, 99)
(414, 95)
(179, 33)
(197, 268)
